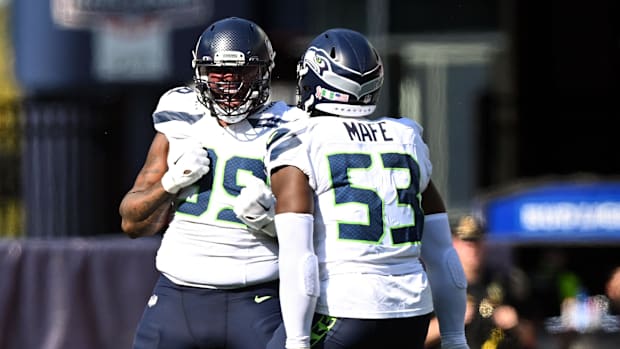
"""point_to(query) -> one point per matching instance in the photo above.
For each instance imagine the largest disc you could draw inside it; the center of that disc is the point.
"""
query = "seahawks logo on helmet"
(340, 68)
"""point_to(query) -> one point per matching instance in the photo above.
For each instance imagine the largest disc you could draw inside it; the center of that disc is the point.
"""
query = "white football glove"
(187, 169)
(255, 206)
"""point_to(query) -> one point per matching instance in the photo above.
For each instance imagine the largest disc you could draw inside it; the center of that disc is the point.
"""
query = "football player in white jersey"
(357, 213)
(218, 286)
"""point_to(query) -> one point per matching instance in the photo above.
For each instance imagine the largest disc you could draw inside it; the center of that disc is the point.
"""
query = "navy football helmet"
(341, 74)
(233, 60)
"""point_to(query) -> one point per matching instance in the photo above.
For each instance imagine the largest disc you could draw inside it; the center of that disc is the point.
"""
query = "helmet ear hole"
(332, 53)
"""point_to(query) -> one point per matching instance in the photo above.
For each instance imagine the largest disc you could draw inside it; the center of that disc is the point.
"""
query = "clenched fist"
(255, 206)
(186, 170)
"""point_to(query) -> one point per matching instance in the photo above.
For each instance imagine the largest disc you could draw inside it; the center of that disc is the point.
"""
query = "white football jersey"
(367, 176)
(205, 245)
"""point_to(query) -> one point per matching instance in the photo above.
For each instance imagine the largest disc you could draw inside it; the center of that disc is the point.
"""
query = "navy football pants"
(344, 333)
(180, 317)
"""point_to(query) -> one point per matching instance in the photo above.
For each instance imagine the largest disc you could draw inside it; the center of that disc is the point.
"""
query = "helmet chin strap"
(223, 115)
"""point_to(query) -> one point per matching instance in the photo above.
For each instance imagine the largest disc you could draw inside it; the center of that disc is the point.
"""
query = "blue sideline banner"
(556, 212)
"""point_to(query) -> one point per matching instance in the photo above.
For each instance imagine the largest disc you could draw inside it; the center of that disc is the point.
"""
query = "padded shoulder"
(177, 109)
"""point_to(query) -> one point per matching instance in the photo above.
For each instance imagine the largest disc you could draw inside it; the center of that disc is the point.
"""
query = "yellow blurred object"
(11, 210)
(11, 223)
(9, 90)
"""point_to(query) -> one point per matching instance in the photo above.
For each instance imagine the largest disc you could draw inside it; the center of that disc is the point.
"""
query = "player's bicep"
(290, 187)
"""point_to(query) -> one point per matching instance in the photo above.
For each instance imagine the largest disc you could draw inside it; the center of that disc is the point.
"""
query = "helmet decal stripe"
(323, 93)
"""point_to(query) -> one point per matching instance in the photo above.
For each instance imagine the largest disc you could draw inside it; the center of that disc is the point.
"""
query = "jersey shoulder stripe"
(178, 104)
(173, 115)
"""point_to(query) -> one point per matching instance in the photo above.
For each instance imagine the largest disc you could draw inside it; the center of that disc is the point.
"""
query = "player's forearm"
(138, 204)
(153, 224)
(447, 280)
(145, 213)
(299, 279)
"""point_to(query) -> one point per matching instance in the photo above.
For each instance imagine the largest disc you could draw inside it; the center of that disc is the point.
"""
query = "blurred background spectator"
(587, 320)
(494, 295)
(612, 290)
(552, 283)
